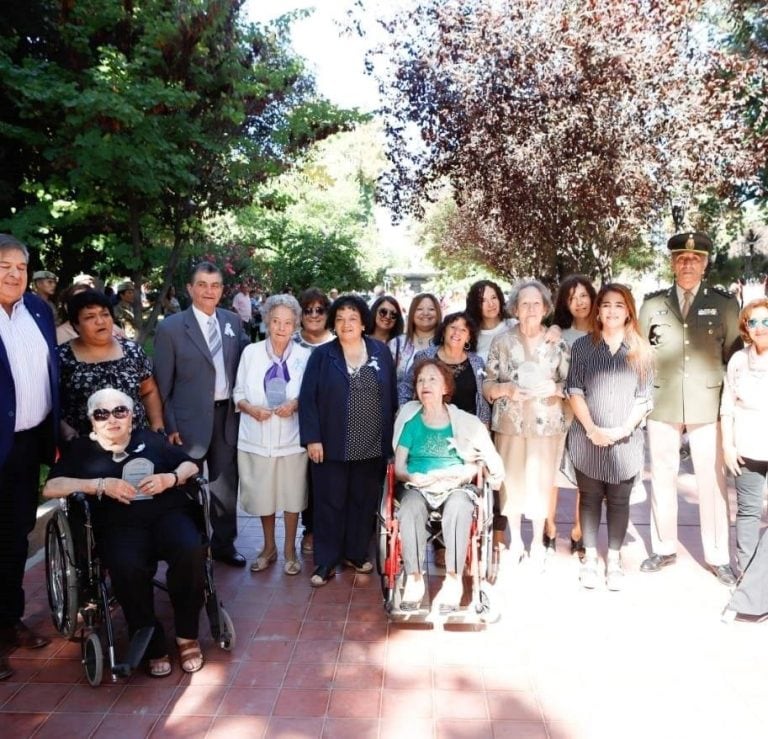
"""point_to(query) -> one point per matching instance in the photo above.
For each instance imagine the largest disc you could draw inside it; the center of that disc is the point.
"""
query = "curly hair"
(563, 317)
(452, 318)
(474, 305)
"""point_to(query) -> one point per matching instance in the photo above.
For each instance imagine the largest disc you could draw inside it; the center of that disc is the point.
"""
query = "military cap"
(123, 286)
(695, 242)
(44, 274)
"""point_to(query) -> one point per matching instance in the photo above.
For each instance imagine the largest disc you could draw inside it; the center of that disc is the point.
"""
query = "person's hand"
(600, 437)
(515, 393)
(120, 490)
(315, 452)
(553, 335)
(175, 438)
(546, 389)
(421, 479)
(732, 460)
(287, 409)
(256, 411)
(156, 484)
(617, 433)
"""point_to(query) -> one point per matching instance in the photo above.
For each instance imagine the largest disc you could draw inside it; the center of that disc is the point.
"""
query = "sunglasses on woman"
(755, 322)
(119, 411)
(317, 311)
(385, 313)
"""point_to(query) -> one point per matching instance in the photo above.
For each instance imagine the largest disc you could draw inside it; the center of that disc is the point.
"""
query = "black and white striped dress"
(611, 388)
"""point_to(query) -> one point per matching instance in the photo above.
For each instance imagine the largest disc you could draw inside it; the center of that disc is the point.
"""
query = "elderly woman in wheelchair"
(141, 515)
(437, 451)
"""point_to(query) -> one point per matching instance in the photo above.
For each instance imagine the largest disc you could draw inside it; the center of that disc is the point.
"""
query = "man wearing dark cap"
(693, 329)
(44, 284)
(124, 316)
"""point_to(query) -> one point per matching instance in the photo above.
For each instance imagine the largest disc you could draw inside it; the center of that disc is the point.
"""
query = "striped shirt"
(29, 359)
(612, 388)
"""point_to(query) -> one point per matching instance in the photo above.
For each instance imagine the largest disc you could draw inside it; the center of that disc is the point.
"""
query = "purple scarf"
(279, 366)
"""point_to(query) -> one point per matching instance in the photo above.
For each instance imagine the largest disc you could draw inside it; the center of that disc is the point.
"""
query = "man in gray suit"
(196, 356)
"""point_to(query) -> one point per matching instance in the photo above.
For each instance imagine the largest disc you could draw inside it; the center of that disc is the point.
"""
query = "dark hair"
(475, 300)
(410, 328)
(450, 383)
(348, 301)
(208, 267)
(563, 317)
(397, 329)
(313, 295)
(86, 299)
(461, 315)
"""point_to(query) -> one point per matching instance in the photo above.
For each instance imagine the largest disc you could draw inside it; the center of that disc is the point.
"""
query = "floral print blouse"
(537, 416)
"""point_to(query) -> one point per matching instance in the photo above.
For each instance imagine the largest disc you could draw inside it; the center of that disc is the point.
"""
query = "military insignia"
(661, 312)
(689, 242)
(707, 312)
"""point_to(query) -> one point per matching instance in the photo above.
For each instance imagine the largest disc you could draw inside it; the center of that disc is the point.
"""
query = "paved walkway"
(651, 661)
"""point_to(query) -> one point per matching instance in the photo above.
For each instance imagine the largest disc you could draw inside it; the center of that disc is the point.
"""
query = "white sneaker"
(413, 593)
(588, 575)
(615, 574)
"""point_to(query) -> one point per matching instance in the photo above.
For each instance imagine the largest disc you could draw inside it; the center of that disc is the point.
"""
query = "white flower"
(139, 448)
(374, 363)
(228, 330)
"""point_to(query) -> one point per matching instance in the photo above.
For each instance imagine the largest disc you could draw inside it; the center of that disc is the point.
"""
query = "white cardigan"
(276, 437)
(471, 438)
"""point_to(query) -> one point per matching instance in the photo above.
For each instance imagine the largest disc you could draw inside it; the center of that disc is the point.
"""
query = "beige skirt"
(271, 484)
(530, 465)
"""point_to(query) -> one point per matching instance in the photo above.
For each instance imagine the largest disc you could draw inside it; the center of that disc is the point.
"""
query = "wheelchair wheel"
(227, 636)
(61, 574)
(93, 659)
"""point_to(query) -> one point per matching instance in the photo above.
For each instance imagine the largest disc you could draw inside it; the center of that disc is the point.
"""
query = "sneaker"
(413, 593)
(615, 574)
(588, 575)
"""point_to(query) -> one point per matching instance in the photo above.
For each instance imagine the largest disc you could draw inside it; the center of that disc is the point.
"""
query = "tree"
(141, 120)
(562, 129)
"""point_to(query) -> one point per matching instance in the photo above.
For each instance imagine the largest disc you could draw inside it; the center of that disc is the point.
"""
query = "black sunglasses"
(755, 322)
(119, 411)
(317, 311)
(384, 313)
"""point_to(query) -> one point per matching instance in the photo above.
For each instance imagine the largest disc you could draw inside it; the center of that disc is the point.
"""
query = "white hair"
(285, 300)
(95, 400)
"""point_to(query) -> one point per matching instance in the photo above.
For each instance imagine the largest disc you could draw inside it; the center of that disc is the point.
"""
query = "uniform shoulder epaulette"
(656, 293)
(722, 291)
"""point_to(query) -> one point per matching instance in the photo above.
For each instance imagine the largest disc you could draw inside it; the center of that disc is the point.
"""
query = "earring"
(466, 347)
(92, 436)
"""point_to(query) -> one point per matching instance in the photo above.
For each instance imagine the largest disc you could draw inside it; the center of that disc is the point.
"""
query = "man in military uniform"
(44, 284)
(124, 316)
(693, 329)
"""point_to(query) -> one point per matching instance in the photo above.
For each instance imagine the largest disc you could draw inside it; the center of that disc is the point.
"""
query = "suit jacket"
(43, 317)
(186, 377)
(324, 398)
(691, 354)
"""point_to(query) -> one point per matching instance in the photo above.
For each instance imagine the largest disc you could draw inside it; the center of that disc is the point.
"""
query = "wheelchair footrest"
(138, 646)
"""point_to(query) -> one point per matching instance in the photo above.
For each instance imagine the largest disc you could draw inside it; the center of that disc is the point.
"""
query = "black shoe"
(5, 668)
(233, 560)
(577, 545)
(723, 573)
(549, 541)
(656, 562)
(321, 576)
(20, 635)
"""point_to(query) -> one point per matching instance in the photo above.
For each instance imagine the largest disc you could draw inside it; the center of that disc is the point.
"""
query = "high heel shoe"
(549, 541)
(577, 545)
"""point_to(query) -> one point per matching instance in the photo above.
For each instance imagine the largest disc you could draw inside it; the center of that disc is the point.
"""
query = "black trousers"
(131, 552)
(591, 504)
(222, 485)
(346, 496)
(19, 484)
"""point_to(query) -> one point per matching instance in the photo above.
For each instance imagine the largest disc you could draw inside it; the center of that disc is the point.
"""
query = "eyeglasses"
(119, 411)
(755, 322)
(384, 313)
(317, 311)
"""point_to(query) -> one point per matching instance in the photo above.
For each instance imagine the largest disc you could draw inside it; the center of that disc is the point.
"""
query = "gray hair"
(286, 301)
(95, 400)
(518, 287)
(11, 243)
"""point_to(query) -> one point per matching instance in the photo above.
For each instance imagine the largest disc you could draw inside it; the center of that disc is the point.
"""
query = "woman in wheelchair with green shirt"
(437, 449)
(141, 515)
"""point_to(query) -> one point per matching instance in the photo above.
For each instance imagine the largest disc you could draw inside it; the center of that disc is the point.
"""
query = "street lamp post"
(751, 238)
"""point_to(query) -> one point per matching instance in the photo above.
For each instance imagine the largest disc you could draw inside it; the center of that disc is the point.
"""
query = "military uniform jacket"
(691, 354)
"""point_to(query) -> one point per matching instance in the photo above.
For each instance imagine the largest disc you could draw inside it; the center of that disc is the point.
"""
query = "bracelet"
(101, 486)
(175, 478)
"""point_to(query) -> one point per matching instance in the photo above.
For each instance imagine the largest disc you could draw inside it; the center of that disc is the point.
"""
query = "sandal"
(190, 656)
(363, 566)
(321, 576)
(292, 566)
(307, 544)
(159, 667)
(263, 561)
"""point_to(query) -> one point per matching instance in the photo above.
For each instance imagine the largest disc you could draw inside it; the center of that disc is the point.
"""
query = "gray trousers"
(456, 522)
(749, 496)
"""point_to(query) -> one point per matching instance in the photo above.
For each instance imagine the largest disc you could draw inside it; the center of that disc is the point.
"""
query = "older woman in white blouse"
(743, 414)
(271, 462)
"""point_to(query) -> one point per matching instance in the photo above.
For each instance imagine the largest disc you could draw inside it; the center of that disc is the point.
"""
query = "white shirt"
(29, 359)
(243, 306)
(222, 386)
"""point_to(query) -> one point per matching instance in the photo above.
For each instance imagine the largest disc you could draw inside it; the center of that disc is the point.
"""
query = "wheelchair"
(79, 594)
(479, 609)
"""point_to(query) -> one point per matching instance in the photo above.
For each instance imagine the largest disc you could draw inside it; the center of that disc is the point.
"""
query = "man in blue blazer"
(29, 403)
(196, 356)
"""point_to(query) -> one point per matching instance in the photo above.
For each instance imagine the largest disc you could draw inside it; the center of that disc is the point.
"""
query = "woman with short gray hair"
(271, 461)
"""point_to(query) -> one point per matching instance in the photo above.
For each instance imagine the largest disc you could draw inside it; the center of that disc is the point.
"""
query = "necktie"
(687, 300)
(214, 338)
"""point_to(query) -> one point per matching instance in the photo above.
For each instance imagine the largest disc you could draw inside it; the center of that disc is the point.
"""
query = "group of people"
(304, 422)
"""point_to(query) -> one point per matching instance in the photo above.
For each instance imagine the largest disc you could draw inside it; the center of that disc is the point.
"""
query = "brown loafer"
(20, 635)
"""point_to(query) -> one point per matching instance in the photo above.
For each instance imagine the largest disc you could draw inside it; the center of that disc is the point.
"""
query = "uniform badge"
(689, 242)
(661, 312)
(707, 312)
